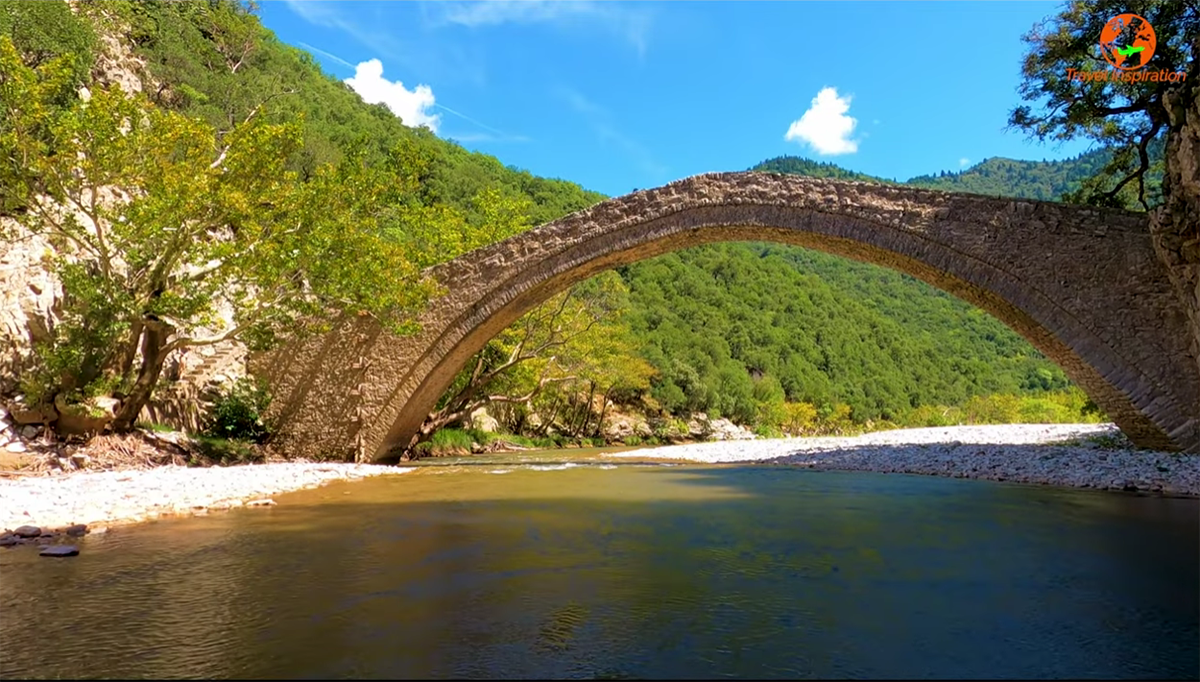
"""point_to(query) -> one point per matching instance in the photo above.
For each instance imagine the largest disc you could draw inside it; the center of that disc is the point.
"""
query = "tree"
(569, 350)
(159, 222)
(1128, 117)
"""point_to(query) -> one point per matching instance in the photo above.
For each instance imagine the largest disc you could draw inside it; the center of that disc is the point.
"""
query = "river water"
(623, 572)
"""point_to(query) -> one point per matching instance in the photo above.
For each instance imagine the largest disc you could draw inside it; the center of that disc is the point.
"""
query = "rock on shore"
(1024, 453)
(110, 497)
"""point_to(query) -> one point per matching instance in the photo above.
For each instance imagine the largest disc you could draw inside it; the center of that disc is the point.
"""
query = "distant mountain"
(796, 165)
(1045, 180)
(997, 176)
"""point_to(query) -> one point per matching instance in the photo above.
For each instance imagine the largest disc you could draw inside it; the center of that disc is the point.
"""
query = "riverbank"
(1068, 455)
(1071, 455)
(107, 498)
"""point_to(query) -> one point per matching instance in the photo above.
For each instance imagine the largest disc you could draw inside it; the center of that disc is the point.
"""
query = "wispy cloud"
(632, 23)
(601, 122)
(964, 162)
(826, 126)
(329, 15)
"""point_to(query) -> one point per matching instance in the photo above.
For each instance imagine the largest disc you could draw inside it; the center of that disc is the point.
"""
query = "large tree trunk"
(599, 432)
(154, 340)
(129, 353)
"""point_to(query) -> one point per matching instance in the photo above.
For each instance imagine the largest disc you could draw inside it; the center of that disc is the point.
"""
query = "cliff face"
(29, 294)
(27, 297)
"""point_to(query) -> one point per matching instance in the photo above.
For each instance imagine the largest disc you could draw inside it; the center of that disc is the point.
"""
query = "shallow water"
(596, 571)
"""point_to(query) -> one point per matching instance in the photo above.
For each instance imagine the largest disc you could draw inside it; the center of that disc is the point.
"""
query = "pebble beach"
(104, 498)
(1070, 455)
(1067, 455)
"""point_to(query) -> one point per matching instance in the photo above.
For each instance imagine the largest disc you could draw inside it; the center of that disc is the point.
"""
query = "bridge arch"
(1083, 285)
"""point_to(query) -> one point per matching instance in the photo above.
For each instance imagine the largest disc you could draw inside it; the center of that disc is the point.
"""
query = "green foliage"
(82, 339)
(1044, 180)
(789, 340)
(795, 165)
(447, 442)
(222, 451)
(237, 412)
(168, 218)
(43, 31)
(219, 63)
(1127, 118)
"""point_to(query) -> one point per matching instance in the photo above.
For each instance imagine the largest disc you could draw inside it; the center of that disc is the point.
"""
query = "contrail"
(468, 118)
(443, 107)
(332, 56)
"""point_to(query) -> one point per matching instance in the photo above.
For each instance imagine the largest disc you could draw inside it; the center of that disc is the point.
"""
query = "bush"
(42, 31)
(445, 442)
(216, 450)
(237, 414)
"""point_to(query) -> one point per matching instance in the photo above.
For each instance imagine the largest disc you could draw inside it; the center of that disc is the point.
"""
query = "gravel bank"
(112, 497)
(1023, 453)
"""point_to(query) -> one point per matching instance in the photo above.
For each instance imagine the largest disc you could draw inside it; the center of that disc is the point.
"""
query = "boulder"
(723, 429)
(43, 414)
(27, 531)
(699, 427)
(480, 419)
(619, 426)
(83, 419)
(59, 551)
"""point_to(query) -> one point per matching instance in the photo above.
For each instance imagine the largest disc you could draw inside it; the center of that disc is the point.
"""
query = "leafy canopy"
(1126, 117)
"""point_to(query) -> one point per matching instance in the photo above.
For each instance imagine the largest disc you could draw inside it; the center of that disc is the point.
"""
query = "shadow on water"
(626, 573)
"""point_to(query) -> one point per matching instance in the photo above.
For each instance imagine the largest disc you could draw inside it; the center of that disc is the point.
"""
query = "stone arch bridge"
(1083, 285)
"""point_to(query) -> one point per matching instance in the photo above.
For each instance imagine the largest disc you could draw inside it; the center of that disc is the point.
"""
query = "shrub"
(445, 442)
(216, 450)
(237, 413)
(42, 31)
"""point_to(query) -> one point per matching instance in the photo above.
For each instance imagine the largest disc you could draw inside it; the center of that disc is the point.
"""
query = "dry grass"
(141, 449)
(132, 451)
(108, 452)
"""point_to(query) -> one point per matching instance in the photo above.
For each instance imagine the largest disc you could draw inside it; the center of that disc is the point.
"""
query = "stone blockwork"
(1084, 285)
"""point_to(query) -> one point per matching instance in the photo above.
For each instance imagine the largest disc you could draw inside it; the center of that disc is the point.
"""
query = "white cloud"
(964, 162)
(826, 127)
(410, 105)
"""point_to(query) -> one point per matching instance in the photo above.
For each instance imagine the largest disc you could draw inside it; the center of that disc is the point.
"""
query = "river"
(489, 567)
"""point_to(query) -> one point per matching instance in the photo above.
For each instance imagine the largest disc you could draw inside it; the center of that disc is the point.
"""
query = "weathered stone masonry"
(1083, 285)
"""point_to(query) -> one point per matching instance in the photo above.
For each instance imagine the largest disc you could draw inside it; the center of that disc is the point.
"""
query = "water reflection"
(631, 572)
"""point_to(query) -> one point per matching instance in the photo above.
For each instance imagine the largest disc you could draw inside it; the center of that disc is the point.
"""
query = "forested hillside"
(1044, 180)
(721, 322)
(746, 331)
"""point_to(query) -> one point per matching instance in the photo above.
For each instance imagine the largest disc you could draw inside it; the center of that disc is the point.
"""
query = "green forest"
(780, 339)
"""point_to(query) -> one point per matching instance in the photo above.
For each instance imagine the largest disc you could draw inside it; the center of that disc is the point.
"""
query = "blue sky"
(617, 96)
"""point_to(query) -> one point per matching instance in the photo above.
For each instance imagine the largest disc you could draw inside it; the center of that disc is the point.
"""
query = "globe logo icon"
(1127, 42)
